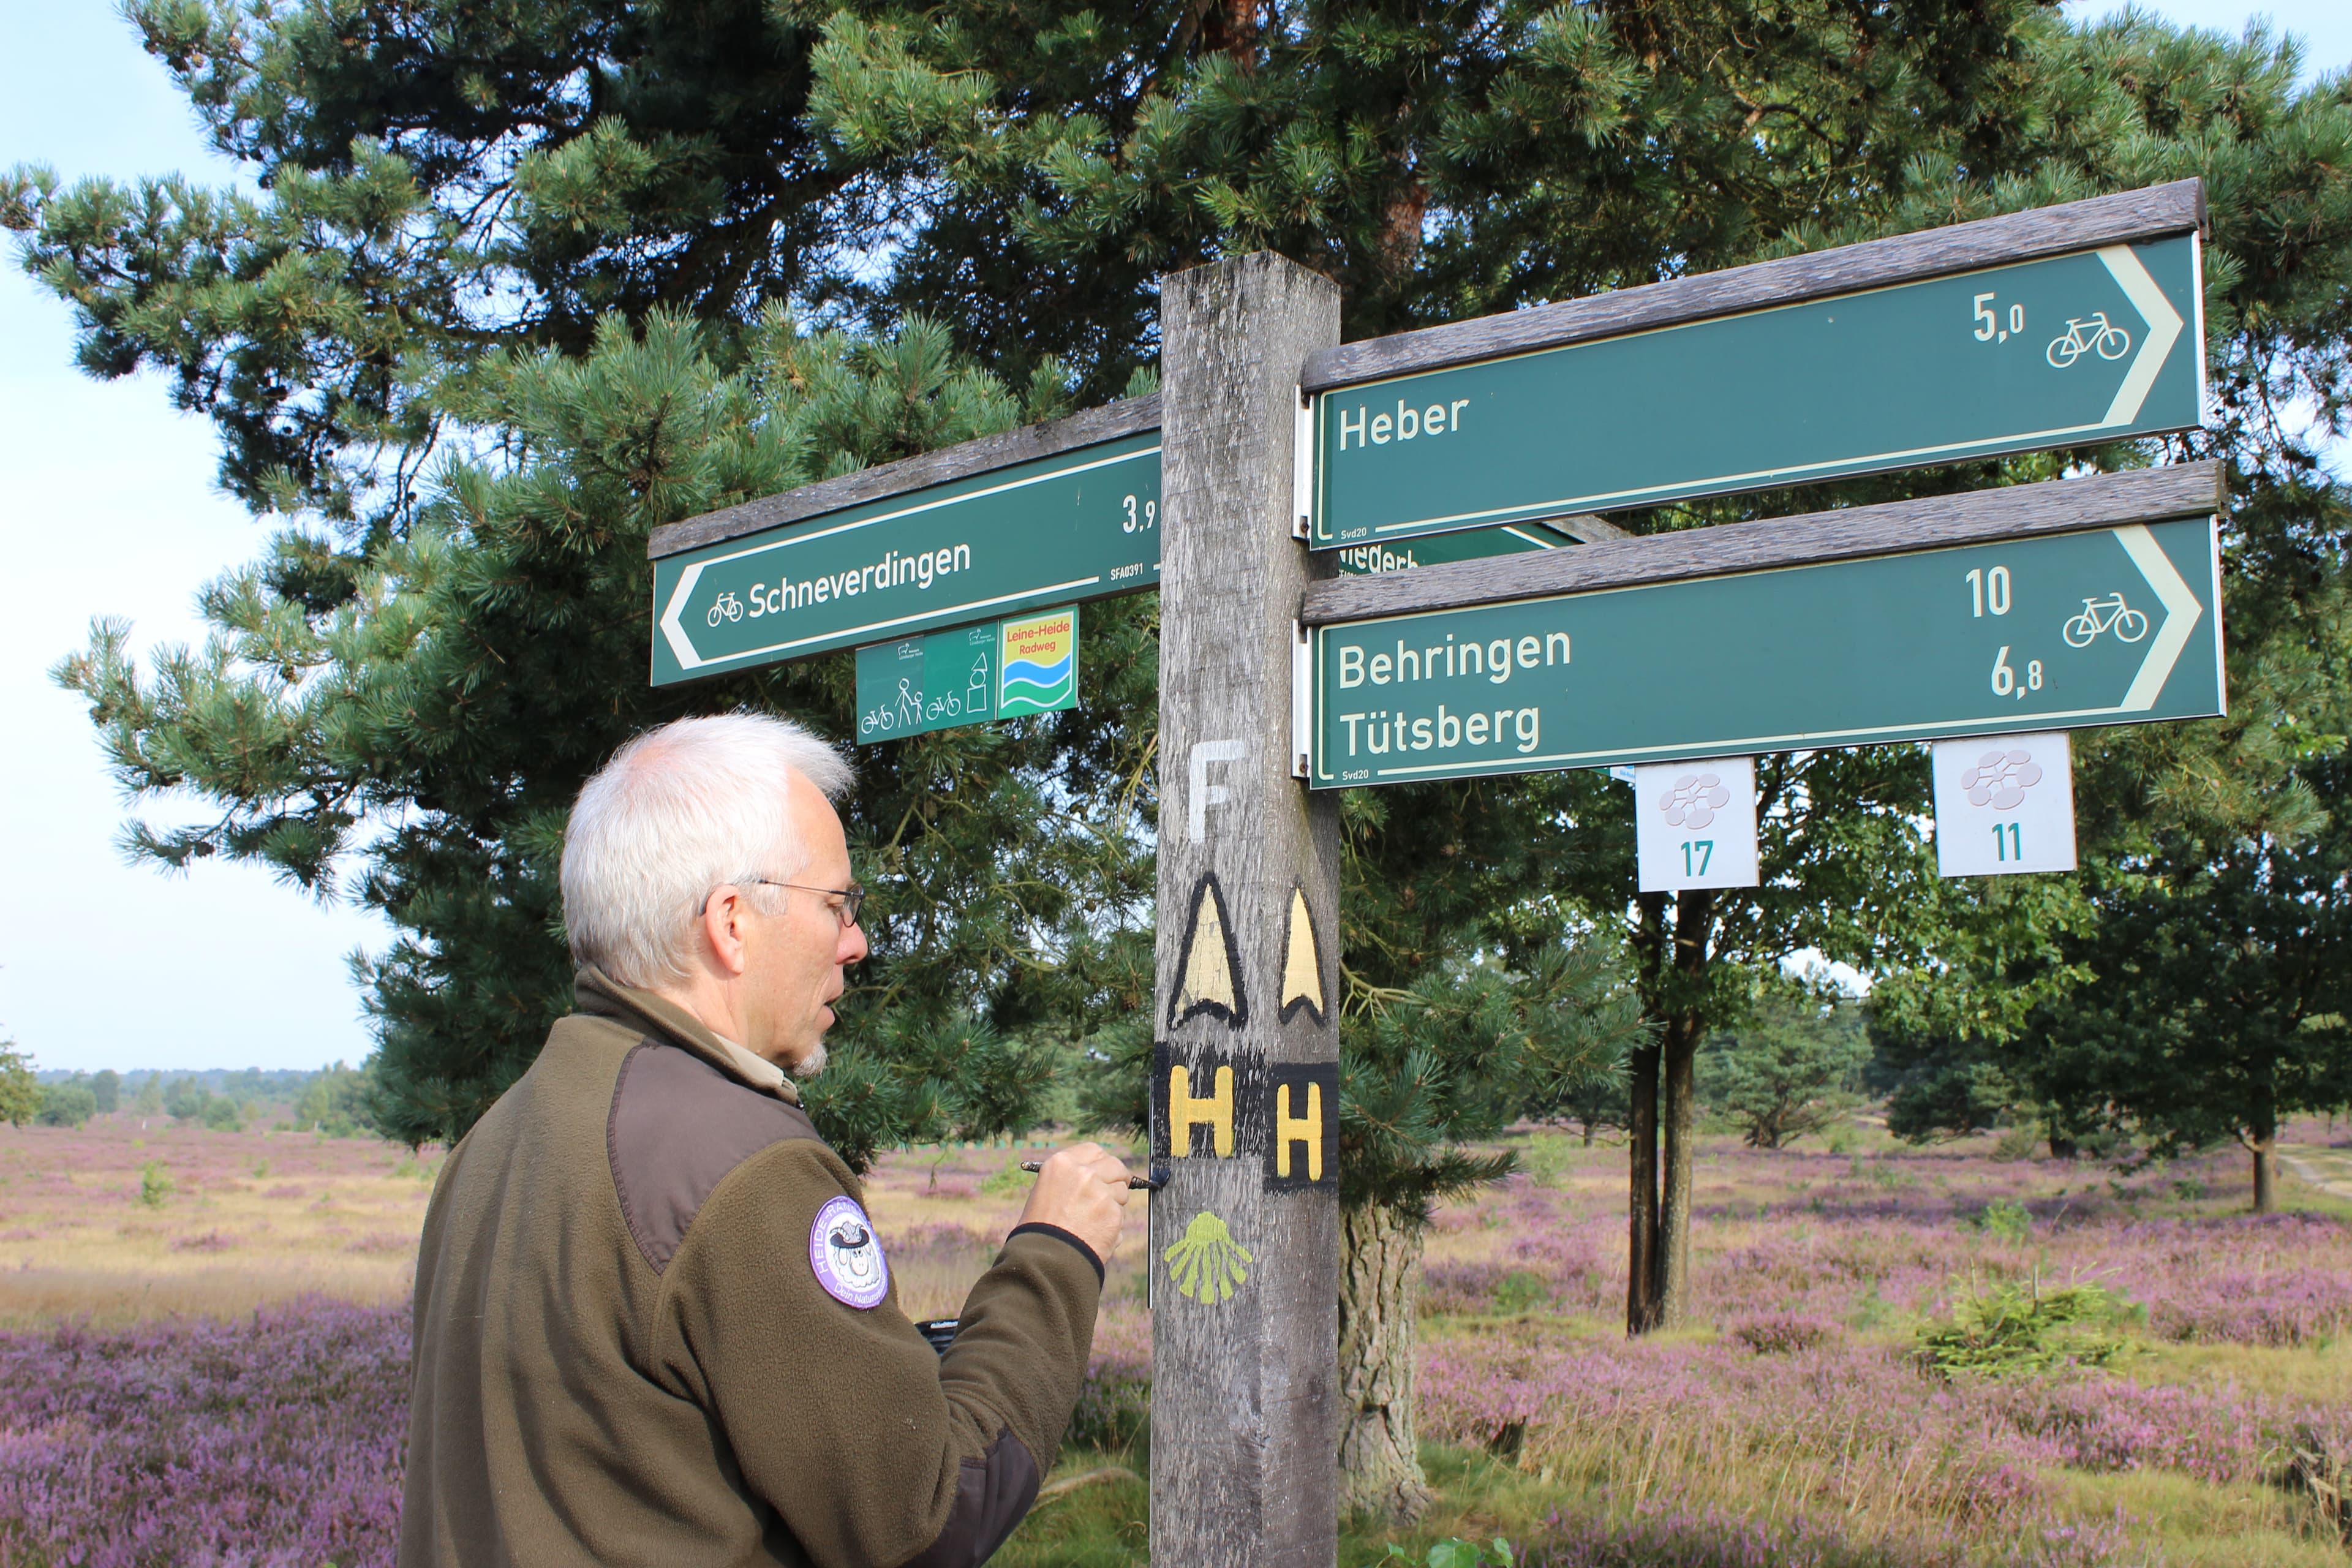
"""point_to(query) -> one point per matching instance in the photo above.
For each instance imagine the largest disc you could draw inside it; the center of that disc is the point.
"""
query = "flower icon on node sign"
(2001, 778)
(1693, 800)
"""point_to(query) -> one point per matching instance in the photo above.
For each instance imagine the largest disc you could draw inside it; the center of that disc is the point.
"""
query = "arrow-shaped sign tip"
(2164, 325)
(2181, 610)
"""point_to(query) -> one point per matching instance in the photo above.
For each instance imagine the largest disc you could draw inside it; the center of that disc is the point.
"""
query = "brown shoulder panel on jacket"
(992, 1495)
(678, 1126)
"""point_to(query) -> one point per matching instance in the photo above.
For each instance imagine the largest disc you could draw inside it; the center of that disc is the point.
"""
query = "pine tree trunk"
(1381, 1477)
(1694, 923)
(1642, 1137)
(2262, 1142)
(1642, 1195)
(1678, 1086)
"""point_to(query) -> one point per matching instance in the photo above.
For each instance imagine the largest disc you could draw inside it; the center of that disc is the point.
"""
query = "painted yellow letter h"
(1184, 1112)
(1306, 1129)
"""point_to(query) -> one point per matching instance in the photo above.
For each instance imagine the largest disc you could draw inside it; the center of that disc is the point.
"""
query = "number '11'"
(2011, 848)
(1706, 847)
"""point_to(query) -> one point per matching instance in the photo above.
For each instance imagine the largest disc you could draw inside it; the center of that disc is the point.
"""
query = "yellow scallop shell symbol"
(1207, 1264)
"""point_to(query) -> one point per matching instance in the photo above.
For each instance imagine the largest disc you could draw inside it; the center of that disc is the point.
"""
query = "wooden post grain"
(1244, 1249)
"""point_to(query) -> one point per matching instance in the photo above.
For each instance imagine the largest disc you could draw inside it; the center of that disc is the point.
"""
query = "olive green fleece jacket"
(632, 1346)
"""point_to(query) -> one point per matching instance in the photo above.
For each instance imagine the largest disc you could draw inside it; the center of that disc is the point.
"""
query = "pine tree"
(484, 662)
(2203, 994)
(1788, 1071)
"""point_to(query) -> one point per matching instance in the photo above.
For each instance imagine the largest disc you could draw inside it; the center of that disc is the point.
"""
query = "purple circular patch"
(846, 1256)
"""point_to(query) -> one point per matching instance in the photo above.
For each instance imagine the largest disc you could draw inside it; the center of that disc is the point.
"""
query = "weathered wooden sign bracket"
(2177, 207)
(1029, 442)
(1930, 523)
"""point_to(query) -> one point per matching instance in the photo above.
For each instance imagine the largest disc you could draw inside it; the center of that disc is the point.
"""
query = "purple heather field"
(1792, 1425)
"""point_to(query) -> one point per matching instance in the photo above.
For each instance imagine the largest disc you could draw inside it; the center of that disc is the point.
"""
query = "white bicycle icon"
(728, 608)
(2111, 340)
(2107, 614)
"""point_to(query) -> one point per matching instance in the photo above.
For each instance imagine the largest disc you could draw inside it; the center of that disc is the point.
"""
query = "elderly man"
(653, 1323)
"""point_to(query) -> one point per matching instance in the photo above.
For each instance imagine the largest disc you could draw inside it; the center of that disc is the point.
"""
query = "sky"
(108, 508)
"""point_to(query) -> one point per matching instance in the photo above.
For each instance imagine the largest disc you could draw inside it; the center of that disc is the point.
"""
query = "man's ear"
(723, 916)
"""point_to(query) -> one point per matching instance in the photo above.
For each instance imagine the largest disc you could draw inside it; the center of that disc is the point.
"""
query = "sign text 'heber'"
(1406, 424)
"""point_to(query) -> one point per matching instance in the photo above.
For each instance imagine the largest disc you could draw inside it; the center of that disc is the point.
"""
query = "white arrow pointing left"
(673, 624)
(2164, 325)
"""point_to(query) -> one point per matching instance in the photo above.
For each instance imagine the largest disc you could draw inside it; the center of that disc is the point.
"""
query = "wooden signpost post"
(1245, 1096)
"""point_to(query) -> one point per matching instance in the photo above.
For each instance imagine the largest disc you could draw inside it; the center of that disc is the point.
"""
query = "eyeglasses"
(851, 897)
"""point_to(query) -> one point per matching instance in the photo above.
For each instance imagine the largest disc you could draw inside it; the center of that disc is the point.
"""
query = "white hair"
(677, 812)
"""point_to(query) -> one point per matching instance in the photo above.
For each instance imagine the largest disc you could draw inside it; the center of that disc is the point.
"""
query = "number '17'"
(1706, 847)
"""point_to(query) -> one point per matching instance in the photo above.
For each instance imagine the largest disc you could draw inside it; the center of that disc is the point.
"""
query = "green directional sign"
(1081, 524)
(998, 669)
(2056, 631)
(922, 683)
(2062, 350)
(1476, 545)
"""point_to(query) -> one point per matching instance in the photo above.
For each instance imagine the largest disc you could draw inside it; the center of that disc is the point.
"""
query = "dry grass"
(254, 1217)
(2320, 1372)
(1852, 1251)
(942, 1213)
(2196, 1525)
(248, 1219)
(1703, 1426)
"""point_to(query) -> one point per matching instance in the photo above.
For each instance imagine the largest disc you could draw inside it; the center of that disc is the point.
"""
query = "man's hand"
(1081, 1189)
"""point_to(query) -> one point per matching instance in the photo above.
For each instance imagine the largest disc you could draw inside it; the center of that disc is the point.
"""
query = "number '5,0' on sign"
(1694, 824)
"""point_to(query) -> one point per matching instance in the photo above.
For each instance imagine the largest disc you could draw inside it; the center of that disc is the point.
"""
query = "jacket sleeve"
(874, 1450)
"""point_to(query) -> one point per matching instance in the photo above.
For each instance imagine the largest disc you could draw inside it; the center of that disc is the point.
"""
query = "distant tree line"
(337, 1101)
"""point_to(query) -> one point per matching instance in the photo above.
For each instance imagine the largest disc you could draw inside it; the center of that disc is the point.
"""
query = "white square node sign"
(1694, 824)
(2004, 804)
